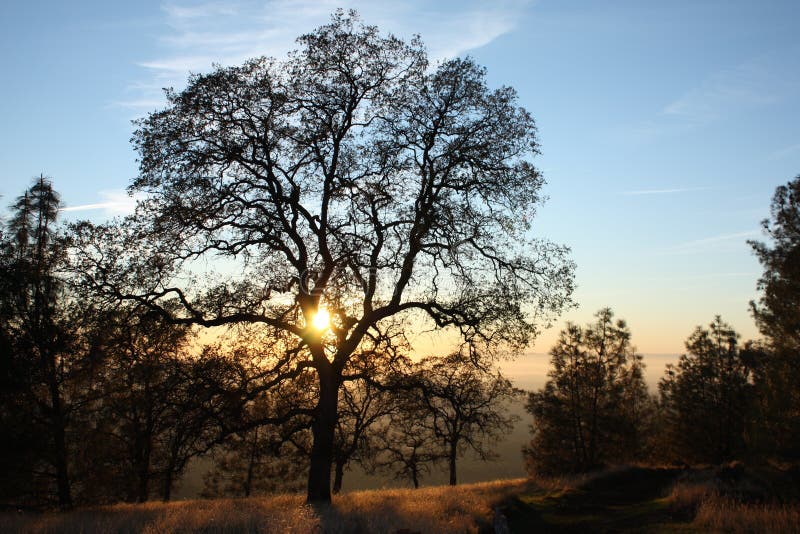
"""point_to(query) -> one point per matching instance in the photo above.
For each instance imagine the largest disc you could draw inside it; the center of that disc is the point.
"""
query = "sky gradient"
(664, 126)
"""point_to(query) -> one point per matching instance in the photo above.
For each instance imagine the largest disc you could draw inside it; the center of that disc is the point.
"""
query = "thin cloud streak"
(718, 238)
(748, 84)
(114, 203)
(664, 191)
(89, 207)
(783, 152)
(707, 244)
(198, 11)
(701, 277)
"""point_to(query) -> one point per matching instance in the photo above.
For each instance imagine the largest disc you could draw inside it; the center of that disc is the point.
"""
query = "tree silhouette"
(407, 446)
(350, 179)
(705, 398)
(144, 369)
(466, 407)
(362, 406)
(40, 325)
(258, 460)
(776, 365)
(593, 408)
(778, 310)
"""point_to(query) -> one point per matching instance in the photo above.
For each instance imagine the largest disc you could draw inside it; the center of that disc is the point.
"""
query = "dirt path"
(629, 500)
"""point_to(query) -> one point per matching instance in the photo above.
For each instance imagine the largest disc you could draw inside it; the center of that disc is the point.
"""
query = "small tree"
(407, 446)
(144, 369)
(362, 406)
(466, 407)
(351, 181)
(261, 459)
(705, 398)
(594, 406)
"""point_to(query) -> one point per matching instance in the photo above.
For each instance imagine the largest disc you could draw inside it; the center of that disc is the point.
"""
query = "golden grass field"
(465, 508)
(629, 499)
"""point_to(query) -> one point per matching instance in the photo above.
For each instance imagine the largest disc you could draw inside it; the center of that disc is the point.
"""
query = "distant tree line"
(722, 401)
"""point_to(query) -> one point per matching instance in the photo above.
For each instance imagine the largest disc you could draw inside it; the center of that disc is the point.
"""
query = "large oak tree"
(352, 177)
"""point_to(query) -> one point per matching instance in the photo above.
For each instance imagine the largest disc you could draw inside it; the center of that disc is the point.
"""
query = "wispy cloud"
(663, 191)
(113, 203)
(723, 94)
(785, 151)
(198, 11)
(702, 277)
(229, 33)
(149, 103)
(753, 83)
(720, 238)
(709, 243)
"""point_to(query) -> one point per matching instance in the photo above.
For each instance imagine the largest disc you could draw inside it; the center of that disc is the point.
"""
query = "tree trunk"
(62, 475)
(59, 441)
(167, 494)
(452, 462)
(338, 476)
(143, 490)
(251, 464)
(143, 471)
(415, 468)
(323, 430)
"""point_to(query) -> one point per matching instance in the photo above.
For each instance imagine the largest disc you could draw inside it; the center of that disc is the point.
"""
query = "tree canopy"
(705, 397)
(776, 363)
(352, 177)
(593, 408)
(778, 311)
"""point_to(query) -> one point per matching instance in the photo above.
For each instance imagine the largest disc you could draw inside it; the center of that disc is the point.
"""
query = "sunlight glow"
(322, 319)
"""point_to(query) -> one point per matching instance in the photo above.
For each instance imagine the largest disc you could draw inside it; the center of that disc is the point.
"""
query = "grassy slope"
(628, 500)
(632, 499)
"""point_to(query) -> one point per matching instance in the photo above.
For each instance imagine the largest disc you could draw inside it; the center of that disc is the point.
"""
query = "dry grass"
(686, 498)
(723, 515)
(465, 508)
(724, 499)
(738, 500)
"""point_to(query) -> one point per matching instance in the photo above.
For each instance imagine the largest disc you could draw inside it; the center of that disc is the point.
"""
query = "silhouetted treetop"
(593, 408)
(350, 177)
(706, 396)
(778, 311)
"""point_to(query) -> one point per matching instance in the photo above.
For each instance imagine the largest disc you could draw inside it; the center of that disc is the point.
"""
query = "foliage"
(595, 407)
(407, 446)
(259, 460)
(778, 311)
(74, 370)
(705, 398)
(352, 178)
(776, 363)
(465, 407)
(42, 350)
(147, 420)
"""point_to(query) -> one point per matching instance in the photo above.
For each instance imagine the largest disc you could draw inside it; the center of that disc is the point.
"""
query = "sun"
(322, 319)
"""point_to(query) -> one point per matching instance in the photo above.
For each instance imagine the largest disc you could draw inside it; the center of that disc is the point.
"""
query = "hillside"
(630, 499)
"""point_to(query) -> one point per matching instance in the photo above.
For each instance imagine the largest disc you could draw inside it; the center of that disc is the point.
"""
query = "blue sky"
(665, 126)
